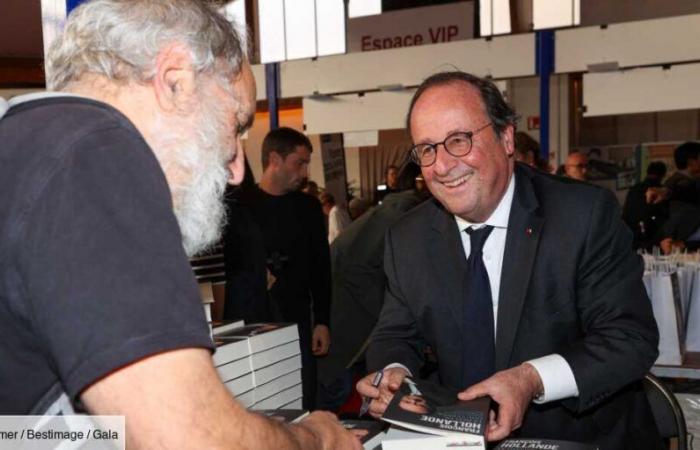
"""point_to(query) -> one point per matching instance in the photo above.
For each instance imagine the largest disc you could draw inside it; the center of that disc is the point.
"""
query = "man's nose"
(444, 161)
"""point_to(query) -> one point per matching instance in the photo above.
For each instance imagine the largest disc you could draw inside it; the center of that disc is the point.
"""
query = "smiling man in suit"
(524, 285)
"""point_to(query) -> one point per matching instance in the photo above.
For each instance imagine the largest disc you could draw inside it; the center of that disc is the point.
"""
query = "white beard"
(202, 158)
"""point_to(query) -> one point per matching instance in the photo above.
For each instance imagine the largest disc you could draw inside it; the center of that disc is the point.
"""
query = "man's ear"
(174, 79)
(508, 140)
(275, 159)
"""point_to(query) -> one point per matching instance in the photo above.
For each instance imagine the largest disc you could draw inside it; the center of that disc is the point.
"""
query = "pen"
(367, 400)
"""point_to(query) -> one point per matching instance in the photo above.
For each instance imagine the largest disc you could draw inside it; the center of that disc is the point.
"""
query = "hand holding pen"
(377, 389)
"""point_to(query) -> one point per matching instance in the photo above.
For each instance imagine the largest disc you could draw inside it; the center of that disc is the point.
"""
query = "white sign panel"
(271, 25)
(300, 28)
(53, 17)
(359, 8)
(494, 17)
(330, 27)
(409, 27)
(553, 14)
(235, 13)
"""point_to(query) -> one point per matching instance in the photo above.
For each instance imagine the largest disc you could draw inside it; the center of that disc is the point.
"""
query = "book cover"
(542, 444)
(433, 409)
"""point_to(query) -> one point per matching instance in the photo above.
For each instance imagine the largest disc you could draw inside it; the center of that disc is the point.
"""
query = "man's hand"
(382, 395)
(329, 432)
(270, 280)
(655, 195)
(321, 340)
(512, 389)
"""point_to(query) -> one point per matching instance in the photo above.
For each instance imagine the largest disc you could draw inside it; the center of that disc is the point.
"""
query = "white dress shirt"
(557, 378)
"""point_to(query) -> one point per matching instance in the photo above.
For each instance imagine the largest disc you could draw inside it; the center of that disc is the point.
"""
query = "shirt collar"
(499, 218)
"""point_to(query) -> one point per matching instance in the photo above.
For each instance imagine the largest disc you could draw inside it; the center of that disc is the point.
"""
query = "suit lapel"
(522, 237)
(448, 262)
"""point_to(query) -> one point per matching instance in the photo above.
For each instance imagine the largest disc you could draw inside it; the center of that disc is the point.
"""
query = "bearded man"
(108, 183)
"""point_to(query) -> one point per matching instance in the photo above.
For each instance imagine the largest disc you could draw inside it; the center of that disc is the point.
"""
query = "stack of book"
(260, 364)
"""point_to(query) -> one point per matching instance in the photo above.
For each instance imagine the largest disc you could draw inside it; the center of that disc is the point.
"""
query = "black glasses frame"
(467, 134)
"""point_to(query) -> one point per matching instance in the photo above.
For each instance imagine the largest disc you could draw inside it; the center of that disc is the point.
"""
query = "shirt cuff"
(395, 365)
(557, 378)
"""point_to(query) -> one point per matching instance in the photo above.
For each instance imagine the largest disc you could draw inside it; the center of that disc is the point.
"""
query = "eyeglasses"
(579, 166)
(456, 144)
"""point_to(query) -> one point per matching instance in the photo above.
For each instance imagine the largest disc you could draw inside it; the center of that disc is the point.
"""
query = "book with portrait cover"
(433, 409)
(542, 444)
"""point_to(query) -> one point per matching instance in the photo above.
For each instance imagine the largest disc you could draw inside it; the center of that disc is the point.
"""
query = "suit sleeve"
(620, 335)
(320, 272)
(396, 338)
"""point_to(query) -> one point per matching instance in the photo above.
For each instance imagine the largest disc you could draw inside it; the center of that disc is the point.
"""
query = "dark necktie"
(479, 340)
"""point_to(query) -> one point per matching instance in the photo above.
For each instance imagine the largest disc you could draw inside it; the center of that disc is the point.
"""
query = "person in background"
(357, 206)
(576, 166)
(296, 246)
(357, 257)
(546, 315)
(310, 188)
(683, 185)
(645, 219)
(338, 218)
(526, 149)
(109, 181)
(390, 179)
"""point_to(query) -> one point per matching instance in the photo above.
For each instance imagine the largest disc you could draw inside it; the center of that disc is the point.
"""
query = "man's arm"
(620, 341)
(395, 338)
(320, 276)
(176, 397)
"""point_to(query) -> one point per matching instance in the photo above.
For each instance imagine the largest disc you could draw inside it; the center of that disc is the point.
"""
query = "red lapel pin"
(528, 231)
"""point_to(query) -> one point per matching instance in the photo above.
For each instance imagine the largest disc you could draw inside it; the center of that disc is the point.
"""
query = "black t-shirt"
(93, 275)
(297, 252)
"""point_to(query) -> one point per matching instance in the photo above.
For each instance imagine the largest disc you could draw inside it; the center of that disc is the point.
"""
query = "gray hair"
(120, 39)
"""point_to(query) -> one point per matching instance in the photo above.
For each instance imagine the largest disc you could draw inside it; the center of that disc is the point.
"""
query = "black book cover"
(433, 409)
(542, 444)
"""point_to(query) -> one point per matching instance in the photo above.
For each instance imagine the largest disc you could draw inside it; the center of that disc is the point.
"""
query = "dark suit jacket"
(571, 287)
(357, 257)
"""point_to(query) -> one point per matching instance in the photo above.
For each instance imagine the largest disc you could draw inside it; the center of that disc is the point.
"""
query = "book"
(247, 399)
(240, 384)
(274, 355)
(280, 399)
(370, 432)
(284, 415)
(223, 326)
(401, 439)
(276, 370)
(262, 336)
(433, 409)
(542, 444)
(435, 443)
(294, 404)
(234, 369)
(230, 349)
(272, 387)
